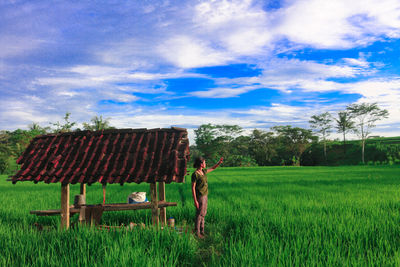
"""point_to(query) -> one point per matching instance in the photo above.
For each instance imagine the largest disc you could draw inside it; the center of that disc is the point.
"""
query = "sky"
(157, 64)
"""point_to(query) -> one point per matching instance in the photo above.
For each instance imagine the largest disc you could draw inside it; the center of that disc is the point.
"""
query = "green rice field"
(258, 216)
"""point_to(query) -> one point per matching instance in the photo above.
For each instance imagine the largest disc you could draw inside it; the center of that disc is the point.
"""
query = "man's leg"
(203, 212)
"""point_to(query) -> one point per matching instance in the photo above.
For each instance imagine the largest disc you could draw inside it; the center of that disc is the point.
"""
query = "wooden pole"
(161, 197)
(104, 194)
(154, 204)
(83, 189)
(64, 206)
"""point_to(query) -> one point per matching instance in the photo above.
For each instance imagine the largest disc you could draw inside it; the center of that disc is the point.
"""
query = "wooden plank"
(154, 204)
(138, 206)
(107, 207)
(65, 206)
(54, 212)
(83, 189)
(161, 197)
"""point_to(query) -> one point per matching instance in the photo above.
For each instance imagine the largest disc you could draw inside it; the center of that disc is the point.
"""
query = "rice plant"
(258, 216)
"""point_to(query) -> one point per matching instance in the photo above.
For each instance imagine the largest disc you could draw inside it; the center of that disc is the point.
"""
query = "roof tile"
(108, 156)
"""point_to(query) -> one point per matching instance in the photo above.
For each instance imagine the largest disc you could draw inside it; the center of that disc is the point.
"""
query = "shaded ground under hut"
(108, 157)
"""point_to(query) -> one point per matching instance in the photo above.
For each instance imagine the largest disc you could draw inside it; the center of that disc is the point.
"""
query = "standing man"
(200, 192)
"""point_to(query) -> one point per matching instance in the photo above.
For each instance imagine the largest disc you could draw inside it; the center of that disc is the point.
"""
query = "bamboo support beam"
(65, 206)
(161, 198)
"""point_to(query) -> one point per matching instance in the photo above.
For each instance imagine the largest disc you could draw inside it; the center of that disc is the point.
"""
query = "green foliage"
(283, 146)
(344, 124)
(64, 127)
(216, 140)
(293, 141)
(98, 123)
(365, 116)
(382, 150)
(287, 146)
(13, 144)
(322, 124)
(239, 161)
(3, 164)
(37, 129)
(263, 147)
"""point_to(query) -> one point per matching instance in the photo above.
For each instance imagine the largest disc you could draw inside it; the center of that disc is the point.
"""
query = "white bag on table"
(137, 197)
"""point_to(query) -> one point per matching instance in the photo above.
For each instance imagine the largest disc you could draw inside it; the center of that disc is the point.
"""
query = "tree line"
(13, 143)
(281, 145)
(287, 145)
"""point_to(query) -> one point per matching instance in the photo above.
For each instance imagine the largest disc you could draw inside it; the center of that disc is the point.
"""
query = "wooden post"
(154, 204)
(161, 197)
(83, 189)
(64, 206)
(104, 194)
(82, 212)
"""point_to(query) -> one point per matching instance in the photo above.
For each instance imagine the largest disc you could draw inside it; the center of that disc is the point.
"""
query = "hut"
(115, 156)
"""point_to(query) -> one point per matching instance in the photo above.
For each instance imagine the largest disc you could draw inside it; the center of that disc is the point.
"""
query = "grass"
(260, 216)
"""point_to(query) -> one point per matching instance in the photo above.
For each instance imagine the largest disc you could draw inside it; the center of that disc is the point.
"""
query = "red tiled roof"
(109, 156)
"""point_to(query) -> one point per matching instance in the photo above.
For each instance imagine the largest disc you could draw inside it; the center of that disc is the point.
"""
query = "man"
(200, 192)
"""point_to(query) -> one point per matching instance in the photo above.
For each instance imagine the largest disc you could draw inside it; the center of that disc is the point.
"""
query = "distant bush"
(239, 160)
(379, 151)
(3, 164)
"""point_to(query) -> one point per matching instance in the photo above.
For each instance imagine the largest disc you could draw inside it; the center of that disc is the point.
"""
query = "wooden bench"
(72, 211)
(92, 213)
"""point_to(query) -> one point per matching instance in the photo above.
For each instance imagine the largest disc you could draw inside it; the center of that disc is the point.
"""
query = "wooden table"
(92, 213)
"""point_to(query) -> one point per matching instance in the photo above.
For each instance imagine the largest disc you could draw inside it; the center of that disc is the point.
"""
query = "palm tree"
(323, 126)
(344, 125)
(98, 123)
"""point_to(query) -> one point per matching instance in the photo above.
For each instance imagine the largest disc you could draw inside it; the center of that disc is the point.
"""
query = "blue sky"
(150, 64)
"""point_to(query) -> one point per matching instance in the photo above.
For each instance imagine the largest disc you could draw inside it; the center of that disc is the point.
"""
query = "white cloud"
(115, 58)
(288, 75)
(187, 52)
(240, 27)
(357, 62)
(280, 114)
(340, 23)
(221, 92)
(288, 69)
(20, 113)
(14, 45)
(119, 96)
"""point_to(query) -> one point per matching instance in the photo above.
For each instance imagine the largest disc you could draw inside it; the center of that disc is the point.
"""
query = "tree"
(294, 140)
(204, 138)
(262, 147)
(344, 124)
(5, 149)
(98, 123)
(19, 140)
(365, 116)
(215, 140)
(66, 127)
(239, 153)
(36, 129)
(3, 164)
(323, 126)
